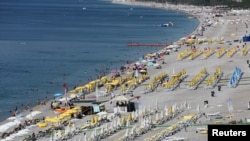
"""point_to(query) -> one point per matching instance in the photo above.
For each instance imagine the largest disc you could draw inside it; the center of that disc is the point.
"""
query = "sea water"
(44, 44)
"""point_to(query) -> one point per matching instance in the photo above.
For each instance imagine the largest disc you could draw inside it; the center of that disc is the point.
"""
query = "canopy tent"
(65, 99)
(122, 98)
(9, 125)
(33, 114)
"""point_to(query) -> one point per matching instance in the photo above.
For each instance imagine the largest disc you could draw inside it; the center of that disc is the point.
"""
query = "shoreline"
(147, 99)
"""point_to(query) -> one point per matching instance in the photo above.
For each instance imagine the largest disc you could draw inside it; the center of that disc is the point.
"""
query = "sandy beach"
(219, 32)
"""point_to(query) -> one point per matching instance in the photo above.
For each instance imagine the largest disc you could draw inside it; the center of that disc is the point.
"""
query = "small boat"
(61, 110)
(167, 24)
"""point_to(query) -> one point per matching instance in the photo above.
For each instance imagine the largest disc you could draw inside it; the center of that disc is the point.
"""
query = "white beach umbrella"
(143, 123)
(198, 108)
(67, 130)
(55, 137)
(93, 135)
(136, 73)
(131, 131)
(150, 120)
(126, 133)
(12, 118)
(156, 64)
(156, 106)
(185, 104)
(119, 121)
(73, 127)
(106, 127)
(111, 126)
(127, 123)
(133, 115)
(143, 61)
(33, 114)
(10, 138)
(166, 111)
(149, 108)
(156, 116)
(138, 63)
(173, 108)
(102, 113)
(51, 137)
(115, 124)
(85, 137)
(22, 132)
(5, 127)
(173, 71)
(102, 130)
(96, 91)
(161, 115)
(136, 114)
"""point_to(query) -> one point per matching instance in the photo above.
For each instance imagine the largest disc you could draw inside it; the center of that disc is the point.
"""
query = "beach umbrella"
(22, 132)
(93, 135)
(97, 91)
(170, 111)
(127, 123)
(150, 63)
(114, 124)
(102, 113)
(118, 122)
(132, 131)
(136, 73)
(143, 61)
(9, 125)
(156, 64)
(157, 116)
(166, 111)
(85, 137)
(106, 128)
(126, 134)
(156, 106)
(161, 115)
(138, 63)
(33, 114)
(58, 94)
(198, 108)
(95, 132)
(102, 130)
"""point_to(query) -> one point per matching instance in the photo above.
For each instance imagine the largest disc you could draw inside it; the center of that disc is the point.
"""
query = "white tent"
(121, 98)
(33, 114)
(9, 125)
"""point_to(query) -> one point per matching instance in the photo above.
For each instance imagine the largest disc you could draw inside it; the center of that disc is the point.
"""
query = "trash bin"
(212, 93)
(205, 102)
(219, 88)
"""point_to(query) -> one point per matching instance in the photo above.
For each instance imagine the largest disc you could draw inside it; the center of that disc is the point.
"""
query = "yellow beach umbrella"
(42, 124)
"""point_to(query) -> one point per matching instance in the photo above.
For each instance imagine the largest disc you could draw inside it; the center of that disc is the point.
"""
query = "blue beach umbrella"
(58, 95)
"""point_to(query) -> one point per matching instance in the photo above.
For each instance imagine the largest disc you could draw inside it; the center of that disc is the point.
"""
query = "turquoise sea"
(46, 43)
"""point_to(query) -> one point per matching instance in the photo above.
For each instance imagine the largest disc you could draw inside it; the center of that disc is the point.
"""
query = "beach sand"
(229, 28)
